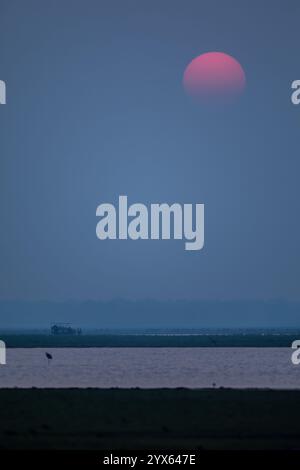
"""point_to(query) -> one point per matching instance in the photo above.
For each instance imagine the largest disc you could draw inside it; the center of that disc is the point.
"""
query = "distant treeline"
(147, 341)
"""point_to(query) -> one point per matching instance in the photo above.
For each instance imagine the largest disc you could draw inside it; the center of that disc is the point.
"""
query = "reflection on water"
(150, 367)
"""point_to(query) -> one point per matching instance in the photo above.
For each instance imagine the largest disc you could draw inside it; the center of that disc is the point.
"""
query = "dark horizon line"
(121, 299)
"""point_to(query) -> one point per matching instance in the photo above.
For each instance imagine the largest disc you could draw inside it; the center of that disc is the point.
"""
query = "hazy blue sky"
(95, 108)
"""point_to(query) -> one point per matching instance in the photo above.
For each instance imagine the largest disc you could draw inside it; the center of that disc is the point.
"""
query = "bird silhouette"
(49, 357)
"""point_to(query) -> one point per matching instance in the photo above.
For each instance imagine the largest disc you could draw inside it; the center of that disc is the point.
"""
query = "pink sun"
(214, 77)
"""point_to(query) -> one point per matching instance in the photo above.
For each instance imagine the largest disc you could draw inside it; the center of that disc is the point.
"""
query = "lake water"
(151, 368)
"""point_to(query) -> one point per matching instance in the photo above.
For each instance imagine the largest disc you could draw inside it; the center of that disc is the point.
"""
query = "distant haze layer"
(151, 314)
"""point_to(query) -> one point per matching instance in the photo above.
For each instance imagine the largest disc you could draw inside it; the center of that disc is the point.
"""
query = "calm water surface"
(151, 367)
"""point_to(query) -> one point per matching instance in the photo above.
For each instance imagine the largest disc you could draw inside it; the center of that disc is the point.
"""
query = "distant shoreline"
(148, 340)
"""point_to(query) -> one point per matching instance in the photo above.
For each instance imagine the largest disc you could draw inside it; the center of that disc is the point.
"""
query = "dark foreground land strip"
(147, 341)
(136, 419)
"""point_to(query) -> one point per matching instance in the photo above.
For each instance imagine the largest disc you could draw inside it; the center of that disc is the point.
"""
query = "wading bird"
(49, 357)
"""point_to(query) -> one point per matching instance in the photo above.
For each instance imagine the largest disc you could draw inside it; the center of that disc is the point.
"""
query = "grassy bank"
(143, 419)
(157, 341)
